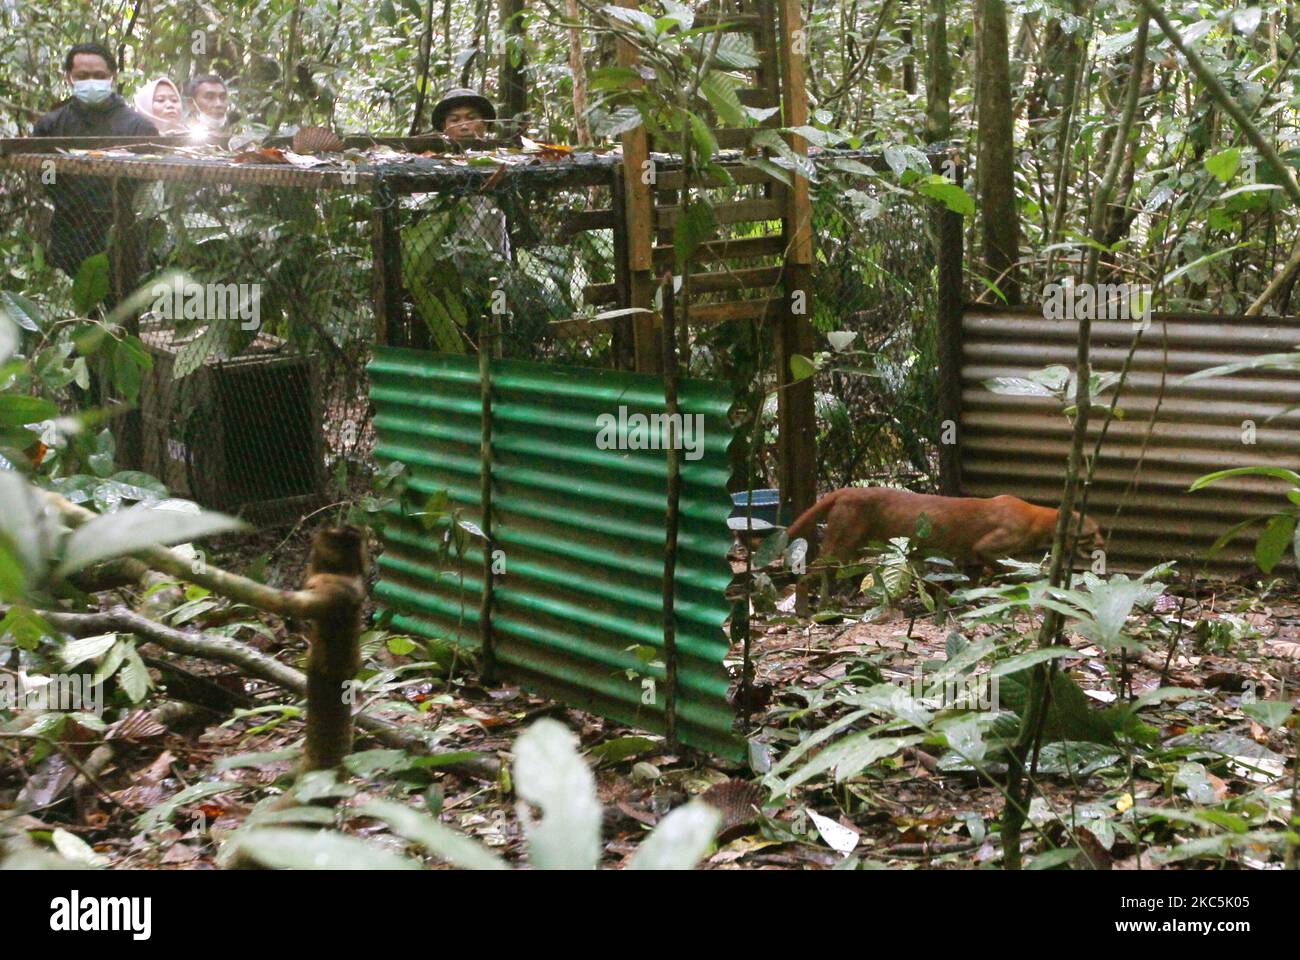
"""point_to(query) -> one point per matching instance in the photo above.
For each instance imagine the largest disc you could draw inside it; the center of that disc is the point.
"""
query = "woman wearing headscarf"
(160, 101)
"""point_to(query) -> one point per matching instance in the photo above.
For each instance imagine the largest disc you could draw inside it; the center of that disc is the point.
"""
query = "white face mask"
(212, 123)
(92, 93)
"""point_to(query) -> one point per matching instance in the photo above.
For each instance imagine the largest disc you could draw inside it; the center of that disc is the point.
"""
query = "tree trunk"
(579, 71)
(938, 74)
(995, 157)
(514, 85)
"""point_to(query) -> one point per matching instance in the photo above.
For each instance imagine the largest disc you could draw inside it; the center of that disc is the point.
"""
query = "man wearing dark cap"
(463, 114)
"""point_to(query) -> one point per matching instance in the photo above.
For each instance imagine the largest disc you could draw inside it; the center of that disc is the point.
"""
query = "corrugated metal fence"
(1019, 444)
(581, 530)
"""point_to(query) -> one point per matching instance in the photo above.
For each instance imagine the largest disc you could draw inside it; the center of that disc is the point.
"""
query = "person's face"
(464, 123)
(89, 66)
(166, 102)
(211, 99)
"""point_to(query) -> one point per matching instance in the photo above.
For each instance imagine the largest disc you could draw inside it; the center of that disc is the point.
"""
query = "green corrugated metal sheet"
(582, 530)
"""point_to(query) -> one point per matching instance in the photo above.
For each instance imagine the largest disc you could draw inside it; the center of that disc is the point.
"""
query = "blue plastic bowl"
(765, 513)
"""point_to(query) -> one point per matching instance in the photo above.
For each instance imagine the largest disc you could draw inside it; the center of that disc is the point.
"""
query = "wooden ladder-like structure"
(765, 276)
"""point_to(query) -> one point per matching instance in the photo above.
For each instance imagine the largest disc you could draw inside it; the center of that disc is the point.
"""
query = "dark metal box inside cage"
(239, 434)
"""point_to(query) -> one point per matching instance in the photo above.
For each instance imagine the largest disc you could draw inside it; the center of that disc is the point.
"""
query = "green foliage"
(549, 774)
(38, 551)
(1282, 529)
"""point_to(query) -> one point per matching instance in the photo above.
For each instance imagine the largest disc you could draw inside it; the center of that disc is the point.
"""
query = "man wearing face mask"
(83, 205)
(208, 102)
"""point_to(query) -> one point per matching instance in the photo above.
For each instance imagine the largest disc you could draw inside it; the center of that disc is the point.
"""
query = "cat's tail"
(807, 521)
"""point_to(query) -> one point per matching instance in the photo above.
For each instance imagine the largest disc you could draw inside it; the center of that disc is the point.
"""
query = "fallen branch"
(301, 604)
(252, 662)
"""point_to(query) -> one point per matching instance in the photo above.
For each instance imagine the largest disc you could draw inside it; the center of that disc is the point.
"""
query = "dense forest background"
(1048, 77)
(1110, 142)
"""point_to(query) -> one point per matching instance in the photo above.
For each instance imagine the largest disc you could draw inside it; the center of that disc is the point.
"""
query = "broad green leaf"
(1223, 165)
(439, 839)
(801, 368)
(21, 625)
(1023, 660)
(17, 410)
(903, 157)
(1160, 694)
(949, 194)
(850, 756)
(400, 646)
(24, 533)
(1053, 858)
(1274, 540)
(133, 529)
(772, 547)
(621, 121)
(91, 283)
(622, 748)
(693, 227)
(680, 13)
(1268, 713)
(287, 848)
(778, 173)
(720, 89)
(1070, 715)
(1052, 381)
(550, 774)
(86, 648)
(680, 840)
(1079, 759)
(1280, 473)
(163, 812)
(735, 51)
(112, 660)
(9, 338)
(814, 135)
(1198, 262)
(22, 312)
(1274, 361)
(75, 849)
(134, 675)
(633, 17)
(1221, 845)
(706, 145)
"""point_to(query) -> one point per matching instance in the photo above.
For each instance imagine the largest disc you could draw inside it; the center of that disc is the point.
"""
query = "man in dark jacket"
(83, 205)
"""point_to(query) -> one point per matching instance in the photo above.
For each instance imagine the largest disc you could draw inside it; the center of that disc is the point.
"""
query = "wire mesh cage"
(534, 247)
(877, 279)
(243, 299)
(247, 294)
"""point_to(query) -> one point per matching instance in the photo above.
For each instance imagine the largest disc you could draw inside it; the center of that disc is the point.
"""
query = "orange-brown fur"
(975, 532)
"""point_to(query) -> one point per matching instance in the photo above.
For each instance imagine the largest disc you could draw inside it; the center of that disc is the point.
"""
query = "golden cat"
(974, 531)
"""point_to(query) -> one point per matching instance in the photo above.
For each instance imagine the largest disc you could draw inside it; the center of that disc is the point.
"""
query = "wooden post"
(639, 222)
(740, 633)
(386, 272)
(336, 575)
(950, 302)
(125, 269)
(671, 518)
(796, 411)
(487, 336)
(623, 346)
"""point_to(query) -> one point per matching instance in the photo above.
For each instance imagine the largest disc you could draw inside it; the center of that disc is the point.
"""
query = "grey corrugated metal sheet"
(1018, 445)
(582, 530)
